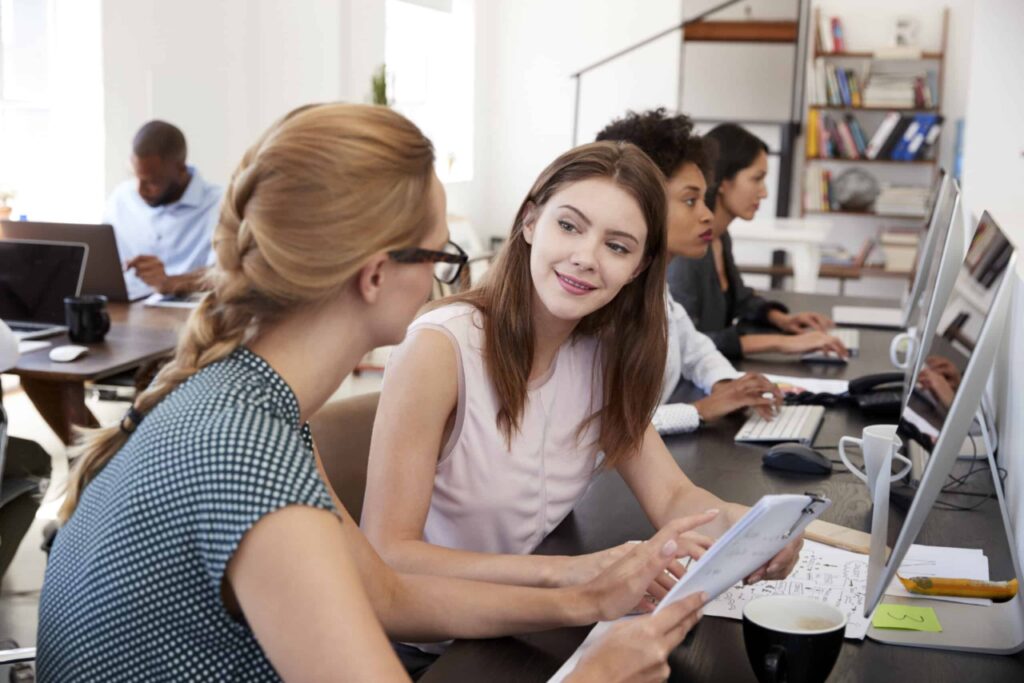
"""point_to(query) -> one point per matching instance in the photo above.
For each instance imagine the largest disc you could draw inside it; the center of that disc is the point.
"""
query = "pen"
(960, 588)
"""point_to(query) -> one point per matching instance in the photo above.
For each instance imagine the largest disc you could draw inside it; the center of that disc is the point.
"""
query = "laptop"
(104, 272)
(35, 276)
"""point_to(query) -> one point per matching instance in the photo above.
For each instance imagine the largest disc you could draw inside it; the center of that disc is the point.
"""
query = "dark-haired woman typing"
(711, 288)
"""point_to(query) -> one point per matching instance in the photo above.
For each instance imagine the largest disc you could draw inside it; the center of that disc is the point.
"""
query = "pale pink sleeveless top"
(489, 497)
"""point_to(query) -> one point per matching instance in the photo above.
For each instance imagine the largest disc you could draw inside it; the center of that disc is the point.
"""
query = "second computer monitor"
(946, 394)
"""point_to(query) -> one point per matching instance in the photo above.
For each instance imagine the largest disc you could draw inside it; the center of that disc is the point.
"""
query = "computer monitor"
(932, 427)
(934, 290)
(933, 241)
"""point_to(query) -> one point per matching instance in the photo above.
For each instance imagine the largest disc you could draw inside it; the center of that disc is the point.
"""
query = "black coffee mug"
(86, 318)
(792, 639)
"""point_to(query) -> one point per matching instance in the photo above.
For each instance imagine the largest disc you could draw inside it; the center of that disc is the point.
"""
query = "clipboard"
(756, 538)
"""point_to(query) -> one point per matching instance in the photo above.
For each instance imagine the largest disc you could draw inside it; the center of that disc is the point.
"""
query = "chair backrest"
(342, 431)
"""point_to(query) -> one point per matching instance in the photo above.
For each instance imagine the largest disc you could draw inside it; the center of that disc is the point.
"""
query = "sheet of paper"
(814, 385)
(165, 301)
(906, 618)
(31, 345)
(832, 575)
(950, 563)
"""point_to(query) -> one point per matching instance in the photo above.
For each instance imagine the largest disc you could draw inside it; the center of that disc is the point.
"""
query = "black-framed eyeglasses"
(448, 263)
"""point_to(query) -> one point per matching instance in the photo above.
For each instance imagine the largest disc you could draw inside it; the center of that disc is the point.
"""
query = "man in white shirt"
(164, 219)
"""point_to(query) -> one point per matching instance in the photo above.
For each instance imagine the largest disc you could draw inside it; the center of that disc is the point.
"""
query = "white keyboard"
(793, 423)
(850, 337)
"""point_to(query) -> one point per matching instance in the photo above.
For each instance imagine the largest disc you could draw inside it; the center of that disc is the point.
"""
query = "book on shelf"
(819, 195)
(825, 40)
(813, 137)
(900, 89)
(902, 200)
(858, 134)
(900, 249)
(838, 42)
(835, 86)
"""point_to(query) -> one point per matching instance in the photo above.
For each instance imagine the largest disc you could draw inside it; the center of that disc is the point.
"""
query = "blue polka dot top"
(133, 584)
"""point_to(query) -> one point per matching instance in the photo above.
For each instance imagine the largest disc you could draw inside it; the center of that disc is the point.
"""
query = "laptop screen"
(36, 276)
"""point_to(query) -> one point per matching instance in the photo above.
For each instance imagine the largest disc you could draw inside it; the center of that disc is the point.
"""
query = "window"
(51, 108)
(429, 63)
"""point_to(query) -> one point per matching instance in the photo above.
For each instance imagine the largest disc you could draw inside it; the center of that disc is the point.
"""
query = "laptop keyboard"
(792, 423)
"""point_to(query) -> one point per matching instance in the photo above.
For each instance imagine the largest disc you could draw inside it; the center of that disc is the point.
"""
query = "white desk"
(801, 237)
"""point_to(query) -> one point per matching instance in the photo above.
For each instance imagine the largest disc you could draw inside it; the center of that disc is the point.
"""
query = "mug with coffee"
(792, 639)
(87, 318)
(879, 445)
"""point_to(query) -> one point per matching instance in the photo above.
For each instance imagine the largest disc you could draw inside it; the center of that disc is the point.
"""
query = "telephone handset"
(878, 382)
(879, 394)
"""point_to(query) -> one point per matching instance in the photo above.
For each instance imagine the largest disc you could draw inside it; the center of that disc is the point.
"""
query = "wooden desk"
(714, 651)
(138, 334)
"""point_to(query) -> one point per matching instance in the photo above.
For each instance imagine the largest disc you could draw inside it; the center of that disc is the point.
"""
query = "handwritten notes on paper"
(838, 577)
(906, 618)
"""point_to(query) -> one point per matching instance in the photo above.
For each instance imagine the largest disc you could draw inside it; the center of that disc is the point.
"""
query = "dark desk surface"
(609, 514)
(137, 335)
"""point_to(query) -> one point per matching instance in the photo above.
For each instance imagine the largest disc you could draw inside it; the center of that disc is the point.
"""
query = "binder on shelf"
(882, 134)
(894, 137)
(899, 151)
(927, 149)
(917, 142)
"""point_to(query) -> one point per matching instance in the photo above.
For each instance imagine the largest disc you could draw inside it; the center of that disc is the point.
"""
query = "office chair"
(17, 508)
(342, 432)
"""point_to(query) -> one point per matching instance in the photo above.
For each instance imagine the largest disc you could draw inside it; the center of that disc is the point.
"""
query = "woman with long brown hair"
(200, 541)
(503, 403)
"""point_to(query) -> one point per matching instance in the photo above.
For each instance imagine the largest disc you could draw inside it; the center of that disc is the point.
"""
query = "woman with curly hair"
(686, 160)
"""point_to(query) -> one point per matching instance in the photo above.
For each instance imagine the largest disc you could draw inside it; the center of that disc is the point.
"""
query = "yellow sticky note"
(907, 618)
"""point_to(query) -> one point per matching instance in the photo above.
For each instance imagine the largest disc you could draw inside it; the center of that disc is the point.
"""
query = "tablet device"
(756, 538)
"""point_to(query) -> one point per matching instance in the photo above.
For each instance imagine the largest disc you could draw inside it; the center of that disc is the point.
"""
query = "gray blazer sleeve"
(694, 284)
(747, 306)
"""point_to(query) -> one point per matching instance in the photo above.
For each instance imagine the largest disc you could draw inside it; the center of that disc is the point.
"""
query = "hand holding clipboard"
(756, 538)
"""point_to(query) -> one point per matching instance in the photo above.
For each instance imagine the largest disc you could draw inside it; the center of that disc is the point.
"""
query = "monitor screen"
(36, 276)
(946, 394)
(932, 242)
(946, 354)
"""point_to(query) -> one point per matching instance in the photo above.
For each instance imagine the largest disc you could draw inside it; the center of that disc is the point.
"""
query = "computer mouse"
(67, 353)
(795, 457)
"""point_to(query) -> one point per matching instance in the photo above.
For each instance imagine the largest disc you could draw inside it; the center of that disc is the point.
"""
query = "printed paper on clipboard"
(750, 543)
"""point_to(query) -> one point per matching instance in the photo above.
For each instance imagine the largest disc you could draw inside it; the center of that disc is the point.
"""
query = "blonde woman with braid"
(200, 542)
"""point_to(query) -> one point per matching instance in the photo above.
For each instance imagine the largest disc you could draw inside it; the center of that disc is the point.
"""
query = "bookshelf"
(852, 127)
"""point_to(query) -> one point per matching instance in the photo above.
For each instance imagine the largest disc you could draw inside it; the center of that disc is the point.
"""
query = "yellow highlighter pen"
(960, 588)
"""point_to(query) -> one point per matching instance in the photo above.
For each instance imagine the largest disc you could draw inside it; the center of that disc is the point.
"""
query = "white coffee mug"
(905, 343)
(879, 445)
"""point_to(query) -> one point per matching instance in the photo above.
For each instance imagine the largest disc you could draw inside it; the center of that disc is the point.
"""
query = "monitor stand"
(995, 629)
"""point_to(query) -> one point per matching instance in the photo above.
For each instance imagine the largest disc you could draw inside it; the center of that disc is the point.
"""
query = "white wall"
(527, 50)
(993, 177)
(223, 71)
